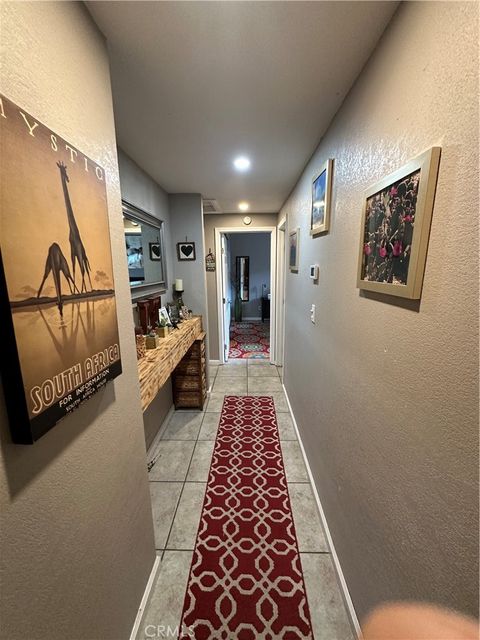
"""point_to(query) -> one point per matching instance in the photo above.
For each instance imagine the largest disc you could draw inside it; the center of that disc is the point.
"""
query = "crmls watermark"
(166, 631)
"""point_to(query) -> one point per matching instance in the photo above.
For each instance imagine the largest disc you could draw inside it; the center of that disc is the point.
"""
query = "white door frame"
(226, 288)
(281, 285)
(273, 283)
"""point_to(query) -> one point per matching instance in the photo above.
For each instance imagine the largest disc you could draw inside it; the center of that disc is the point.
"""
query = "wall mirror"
(243, 277)
(145, 250)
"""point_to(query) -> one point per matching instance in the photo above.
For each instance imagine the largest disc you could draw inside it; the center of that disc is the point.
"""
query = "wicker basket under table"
(189, 379)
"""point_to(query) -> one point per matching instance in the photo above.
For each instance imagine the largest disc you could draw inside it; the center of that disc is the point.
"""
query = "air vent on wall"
(210, 205)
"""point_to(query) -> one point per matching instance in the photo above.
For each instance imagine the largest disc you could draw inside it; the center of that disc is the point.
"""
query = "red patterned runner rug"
(246, 580)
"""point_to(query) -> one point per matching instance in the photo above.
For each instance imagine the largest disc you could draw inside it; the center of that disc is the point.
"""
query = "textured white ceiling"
(196, 83)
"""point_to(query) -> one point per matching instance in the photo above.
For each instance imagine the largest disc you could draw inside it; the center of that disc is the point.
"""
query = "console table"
(158, 364)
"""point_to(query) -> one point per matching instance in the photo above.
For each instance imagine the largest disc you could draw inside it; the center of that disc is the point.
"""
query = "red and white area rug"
(246, 580)
(250, 340)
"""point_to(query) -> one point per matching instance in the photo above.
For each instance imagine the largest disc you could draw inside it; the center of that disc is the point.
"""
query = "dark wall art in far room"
(293, 248)
(395, 228)
(57, 296)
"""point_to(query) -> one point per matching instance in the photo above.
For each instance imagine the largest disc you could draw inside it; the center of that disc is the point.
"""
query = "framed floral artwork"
(395, 228)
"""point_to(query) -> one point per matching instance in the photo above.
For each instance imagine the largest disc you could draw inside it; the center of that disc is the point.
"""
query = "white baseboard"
(214, 362)
(336, 562)
(250, 319)
(145, 598)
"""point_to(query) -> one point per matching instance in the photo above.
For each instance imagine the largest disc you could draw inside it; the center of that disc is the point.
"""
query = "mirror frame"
(139, 215)
(246, 277)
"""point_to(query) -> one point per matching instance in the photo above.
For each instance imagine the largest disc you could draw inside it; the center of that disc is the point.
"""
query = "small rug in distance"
(250, 340)
(246, 580)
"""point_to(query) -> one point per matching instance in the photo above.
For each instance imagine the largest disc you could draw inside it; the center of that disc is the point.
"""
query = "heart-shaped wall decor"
(187, 250)
(156, 250)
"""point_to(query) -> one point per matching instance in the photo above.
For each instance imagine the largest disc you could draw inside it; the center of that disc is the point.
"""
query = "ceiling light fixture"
(243, 206)
(242, 163)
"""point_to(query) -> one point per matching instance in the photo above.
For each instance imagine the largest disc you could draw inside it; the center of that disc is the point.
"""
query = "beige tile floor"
(177, 485)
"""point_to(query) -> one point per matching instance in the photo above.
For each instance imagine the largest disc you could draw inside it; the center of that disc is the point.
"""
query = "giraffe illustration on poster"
(77, 248)
(56, 264)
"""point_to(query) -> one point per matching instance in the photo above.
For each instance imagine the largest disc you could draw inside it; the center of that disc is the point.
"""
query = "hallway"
(178, 477)
(193, 194)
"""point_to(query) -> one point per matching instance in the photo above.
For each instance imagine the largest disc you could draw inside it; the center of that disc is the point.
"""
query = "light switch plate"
(312, 313)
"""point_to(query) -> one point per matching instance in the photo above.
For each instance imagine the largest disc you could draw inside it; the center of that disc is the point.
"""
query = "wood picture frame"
(395, 228)
(321, 199)
(163, 314)
(155, 251)
(293, 248)
(186, 251)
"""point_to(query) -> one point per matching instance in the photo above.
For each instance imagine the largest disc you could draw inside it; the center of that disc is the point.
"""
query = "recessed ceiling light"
(242, 163)
(243, 206)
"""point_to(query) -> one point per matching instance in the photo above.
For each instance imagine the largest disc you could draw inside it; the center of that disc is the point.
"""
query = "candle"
(178, 284)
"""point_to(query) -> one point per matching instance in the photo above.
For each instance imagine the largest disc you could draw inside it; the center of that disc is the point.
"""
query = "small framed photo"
(155, 251)
(186, 250)
(397, 213)
(163, 314)
(321, 199)
(293, 242)
(173, 313)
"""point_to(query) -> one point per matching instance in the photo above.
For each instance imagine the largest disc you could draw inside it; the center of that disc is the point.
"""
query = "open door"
(226, 296)
(280, 311)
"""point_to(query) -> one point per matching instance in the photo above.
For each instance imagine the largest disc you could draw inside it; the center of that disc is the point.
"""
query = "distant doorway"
(246, 285)
(250, 340)
(250, 316)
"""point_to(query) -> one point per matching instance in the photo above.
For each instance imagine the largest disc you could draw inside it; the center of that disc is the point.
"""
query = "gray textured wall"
(139, 189)
(187, 222)
(186, 211)
(386, 394)
(77, 535)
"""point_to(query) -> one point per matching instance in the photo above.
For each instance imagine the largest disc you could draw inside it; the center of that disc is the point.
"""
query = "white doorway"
(281, 282)
(224, 295)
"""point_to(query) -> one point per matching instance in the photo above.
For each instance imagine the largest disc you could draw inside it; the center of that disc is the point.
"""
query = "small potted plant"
(151, 340)
(161, 329)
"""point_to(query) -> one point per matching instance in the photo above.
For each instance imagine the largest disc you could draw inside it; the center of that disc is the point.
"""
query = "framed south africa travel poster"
(57, 295)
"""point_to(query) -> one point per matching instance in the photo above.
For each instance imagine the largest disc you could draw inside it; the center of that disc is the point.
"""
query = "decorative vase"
(141, 348)
(143, 307)
(155, 303)
(151, 342)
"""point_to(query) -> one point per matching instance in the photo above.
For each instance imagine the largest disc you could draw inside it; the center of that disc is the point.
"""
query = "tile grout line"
(180, 481)
(183, 485)
(178, 502)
